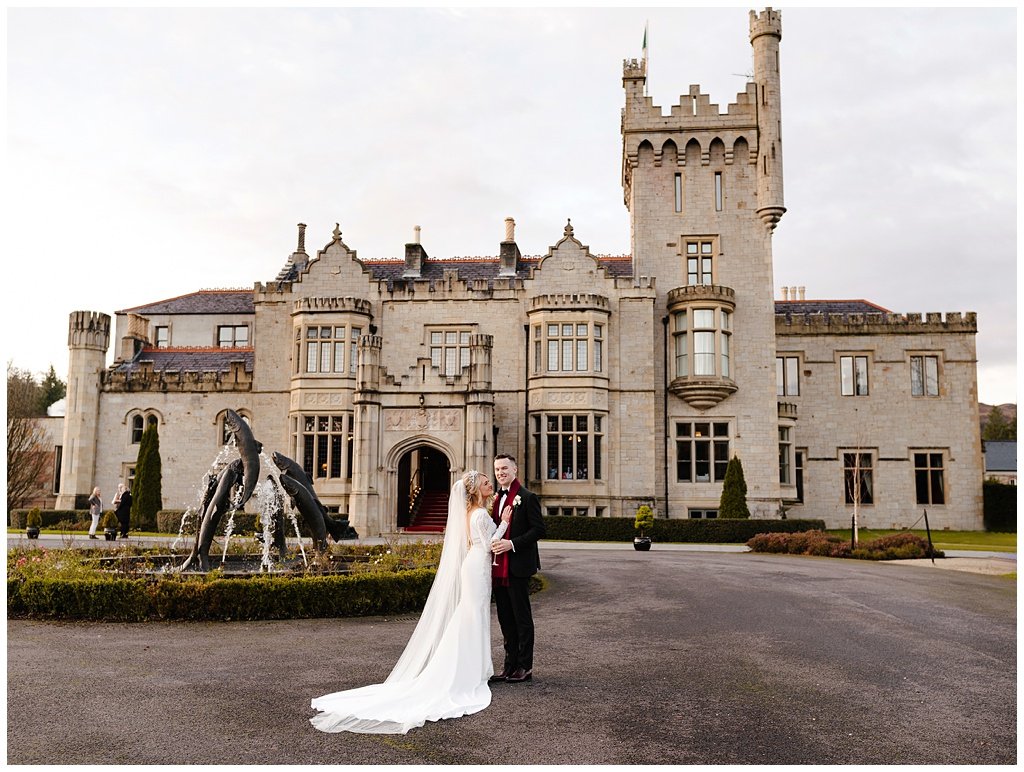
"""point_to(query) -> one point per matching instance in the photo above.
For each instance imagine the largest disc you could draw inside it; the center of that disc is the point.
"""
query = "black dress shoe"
(518, 676)
(499, 677)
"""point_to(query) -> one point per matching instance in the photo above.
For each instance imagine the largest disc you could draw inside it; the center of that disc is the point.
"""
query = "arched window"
(138, 424)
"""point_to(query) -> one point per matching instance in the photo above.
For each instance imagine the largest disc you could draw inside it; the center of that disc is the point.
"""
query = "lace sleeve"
(500, 530)
(482, 527)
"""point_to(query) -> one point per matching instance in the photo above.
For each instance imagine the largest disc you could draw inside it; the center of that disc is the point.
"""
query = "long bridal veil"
(444, 592)
(405, 700)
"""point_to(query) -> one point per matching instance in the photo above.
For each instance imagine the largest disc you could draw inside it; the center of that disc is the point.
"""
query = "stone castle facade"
(615, 381)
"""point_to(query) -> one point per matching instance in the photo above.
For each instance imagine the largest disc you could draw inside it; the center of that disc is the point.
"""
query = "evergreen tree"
(998, 428)
(51, 389)
(147, 496)
(733, 503)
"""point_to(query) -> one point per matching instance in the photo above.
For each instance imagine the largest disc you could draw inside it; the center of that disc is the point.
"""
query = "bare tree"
(27, 457)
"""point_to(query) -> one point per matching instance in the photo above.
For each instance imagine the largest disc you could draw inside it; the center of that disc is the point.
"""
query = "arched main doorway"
(424, 475)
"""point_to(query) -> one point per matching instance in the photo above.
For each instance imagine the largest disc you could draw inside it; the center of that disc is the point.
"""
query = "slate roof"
(216, 301)
(184, 359)
(467, 268)
(828, 307)
(1000, 455)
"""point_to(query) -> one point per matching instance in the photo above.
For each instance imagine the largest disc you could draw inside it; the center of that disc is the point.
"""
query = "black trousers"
(122, 519)
(516, 620)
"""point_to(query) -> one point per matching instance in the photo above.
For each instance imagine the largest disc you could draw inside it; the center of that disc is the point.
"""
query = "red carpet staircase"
(431, 513)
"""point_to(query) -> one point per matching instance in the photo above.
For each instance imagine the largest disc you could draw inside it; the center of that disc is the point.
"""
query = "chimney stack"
(509, 251)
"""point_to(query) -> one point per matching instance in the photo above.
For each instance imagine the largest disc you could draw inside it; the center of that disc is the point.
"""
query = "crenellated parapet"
(691, 293)
(584, 301)
(768, 22)
(89, 329)
(875, 323)
(337, 304)
(144, 377)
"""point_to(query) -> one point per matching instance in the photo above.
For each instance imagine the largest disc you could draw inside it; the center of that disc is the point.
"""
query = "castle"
(615, 381)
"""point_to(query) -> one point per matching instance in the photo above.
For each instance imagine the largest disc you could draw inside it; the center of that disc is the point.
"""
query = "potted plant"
(110, 525)
(33, 522)
(644, 522)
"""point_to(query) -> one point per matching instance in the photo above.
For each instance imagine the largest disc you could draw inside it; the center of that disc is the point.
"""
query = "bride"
(444, 669)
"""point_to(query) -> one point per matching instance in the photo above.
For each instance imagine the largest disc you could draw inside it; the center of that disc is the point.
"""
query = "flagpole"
(644, 57)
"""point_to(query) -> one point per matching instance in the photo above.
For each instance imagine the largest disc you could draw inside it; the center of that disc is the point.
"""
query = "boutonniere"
(516, 501)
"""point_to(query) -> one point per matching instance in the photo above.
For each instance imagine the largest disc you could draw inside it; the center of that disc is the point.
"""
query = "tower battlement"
(768, 22)
(875, 323)
(89, 329)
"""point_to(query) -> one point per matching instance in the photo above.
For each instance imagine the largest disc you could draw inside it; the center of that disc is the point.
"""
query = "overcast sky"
(152, 153)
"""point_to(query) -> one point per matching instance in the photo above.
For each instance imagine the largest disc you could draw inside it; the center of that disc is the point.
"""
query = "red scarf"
(499, 572)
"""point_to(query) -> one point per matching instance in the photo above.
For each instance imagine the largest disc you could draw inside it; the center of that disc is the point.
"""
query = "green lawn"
(949, 540)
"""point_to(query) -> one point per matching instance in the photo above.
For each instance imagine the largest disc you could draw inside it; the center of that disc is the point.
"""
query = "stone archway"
(425, 469)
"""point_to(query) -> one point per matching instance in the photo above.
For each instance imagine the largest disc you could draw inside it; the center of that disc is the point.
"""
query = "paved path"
(671, 656)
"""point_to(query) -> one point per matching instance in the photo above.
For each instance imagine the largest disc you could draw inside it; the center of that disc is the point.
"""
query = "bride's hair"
(474, 498)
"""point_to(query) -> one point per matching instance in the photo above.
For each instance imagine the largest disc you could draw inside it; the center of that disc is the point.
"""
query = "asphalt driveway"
(674, 657)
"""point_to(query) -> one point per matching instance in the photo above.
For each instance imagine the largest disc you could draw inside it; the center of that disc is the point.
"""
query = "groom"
(517, 560)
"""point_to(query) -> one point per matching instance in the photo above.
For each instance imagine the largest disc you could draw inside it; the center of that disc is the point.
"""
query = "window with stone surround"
(162, 336)
(924, 375)
(568, 446)
(568, 347)
(140, 422)
(801, 463)
(930, 477)
(785, 455)
(701, 514)
(702, 338)
(324, 445)
(325, 348)
(449, 350)
(702, 451)
(699, 253)
(233, 335)
(858, 477)
(787, 376)
(853, 376)
(568, 511)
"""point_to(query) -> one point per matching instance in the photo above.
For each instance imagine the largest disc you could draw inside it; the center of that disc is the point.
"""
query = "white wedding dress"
(444, 669)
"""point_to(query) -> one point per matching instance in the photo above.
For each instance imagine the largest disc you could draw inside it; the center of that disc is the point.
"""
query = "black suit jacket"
(525, 530)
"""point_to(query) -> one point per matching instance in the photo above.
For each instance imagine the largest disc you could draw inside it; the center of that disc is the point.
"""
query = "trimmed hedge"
(1000, 506)
(51, 517)
(118, 599)
(561, 528)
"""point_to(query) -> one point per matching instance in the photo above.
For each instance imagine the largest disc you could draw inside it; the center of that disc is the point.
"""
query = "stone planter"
(110, 534)
(32, 532)
(642, 543)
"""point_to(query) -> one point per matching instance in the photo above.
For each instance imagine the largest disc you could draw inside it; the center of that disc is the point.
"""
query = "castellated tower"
(704, 192)
(88, 340)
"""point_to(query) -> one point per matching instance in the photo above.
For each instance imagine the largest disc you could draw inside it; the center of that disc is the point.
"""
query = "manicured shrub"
(899, 546)
(733, 503)
(644, 520)
(34, 519)
(147, 497)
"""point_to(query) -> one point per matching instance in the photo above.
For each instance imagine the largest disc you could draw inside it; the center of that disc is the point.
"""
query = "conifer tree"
(733, 503)
(51, 390)
(998, 428)
(147, 496)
